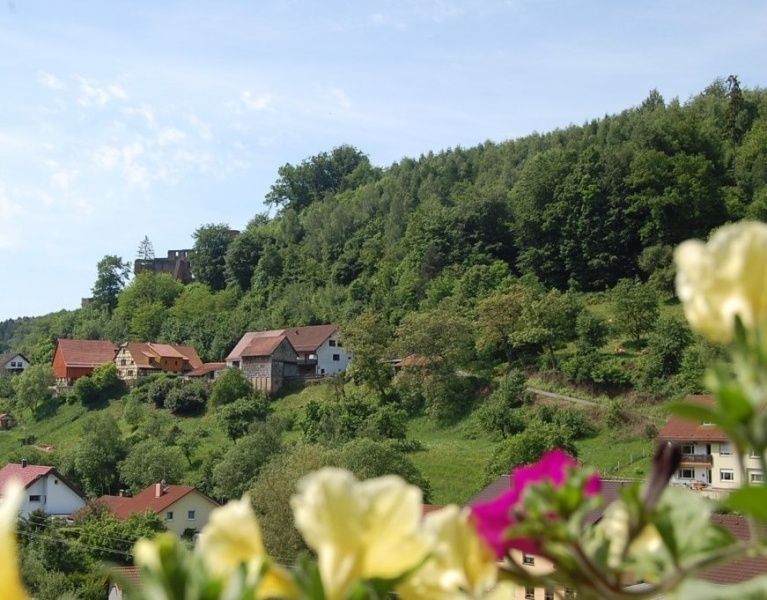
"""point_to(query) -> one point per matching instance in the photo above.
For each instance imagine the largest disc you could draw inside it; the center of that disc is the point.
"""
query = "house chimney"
(158, 490)
(23, 463)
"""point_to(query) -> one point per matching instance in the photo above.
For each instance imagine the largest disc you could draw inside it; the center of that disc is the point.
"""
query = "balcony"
(696, 460)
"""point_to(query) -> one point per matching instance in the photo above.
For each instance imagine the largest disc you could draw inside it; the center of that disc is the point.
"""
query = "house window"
(529, 593)
(336, 357)
(756, 477)
(725, 449)
(34, 498)
(686, 474)
(753, 454)
(332, 343)
(527, 559)
(726, 475)
(688, 449)
(548, 594)
(123, 362)
(190, 515)
(169, 515)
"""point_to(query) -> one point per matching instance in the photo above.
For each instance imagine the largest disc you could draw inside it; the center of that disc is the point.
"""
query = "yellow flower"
(10, 581)
(233, 538)
(359, 530)
(724, 278)
(461, 565)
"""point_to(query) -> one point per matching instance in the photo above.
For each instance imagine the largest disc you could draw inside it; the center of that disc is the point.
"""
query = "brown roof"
(147, 500)
(86, 353)
(263, 346)
(741, 569)
(246, 339)
(678, 429)
(206, 368)
(428, 508)
(308, 339)
(142, 353)
(303, 339)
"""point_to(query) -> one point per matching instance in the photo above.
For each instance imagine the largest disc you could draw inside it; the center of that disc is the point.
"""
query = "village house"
(73, 359)
(709, 463)
(122, 580)
(320, 350)
(184, 509)
(266, 358)
(45, 489)
(12, 363)
(136, 359)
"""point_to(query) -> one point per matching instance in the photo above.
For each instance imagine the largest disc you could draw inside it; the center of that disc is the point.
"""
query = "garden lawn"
(453, 460)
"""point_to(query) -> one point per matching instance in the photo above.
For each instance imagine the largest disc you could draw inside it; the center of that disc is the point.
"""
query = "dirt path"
(545, 394)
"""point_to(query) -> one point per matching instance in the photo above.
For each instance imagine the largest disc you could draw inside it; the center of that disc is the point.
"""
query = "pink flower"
(494, 518)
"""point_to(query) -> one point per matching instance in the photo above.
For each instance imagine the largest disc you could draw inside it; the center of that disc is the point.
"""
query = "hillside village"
(422, 320)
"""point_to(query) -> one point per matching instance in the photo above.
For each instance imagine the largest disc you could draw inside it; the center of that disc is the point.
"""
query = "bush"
(230, 386)
(237, 417)
(190, 397)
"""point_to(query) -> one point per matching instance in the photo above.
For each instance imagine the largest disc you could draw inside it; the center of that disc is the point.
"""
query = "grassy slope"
(453, 458)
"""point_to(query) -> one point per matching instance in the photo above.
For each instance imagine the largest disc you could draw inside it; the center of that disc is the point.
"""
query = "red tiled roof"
(126, 575)
(263, 346)
(147, 500)
(26, 475)
(86, 353)
(206, 368)
(741, 569)
(678, 429)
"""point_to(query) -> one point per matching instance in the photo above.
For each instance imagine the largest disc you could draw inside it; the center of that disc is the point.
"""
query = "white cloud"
(204, 129)
(250, 102)
(50, 81)
(170, 135)
(94, 94)
(107, 157)
(64, 178)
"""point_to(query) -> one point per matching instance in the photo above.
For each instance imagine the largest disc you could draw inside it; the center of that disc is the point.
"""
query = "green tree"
(318, 177)
(528, 446)
(111, 275)
(231, 385)
(211, 243)
(368, 337)
(238, 468)
(150, 462)
(145, 249)
(591, 331)
(635, 308)
(94, 460)
(32, 388)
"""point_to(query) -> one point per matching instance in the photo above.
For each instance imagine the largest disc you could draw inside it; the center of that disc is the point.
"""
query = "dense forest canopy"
(575, 209)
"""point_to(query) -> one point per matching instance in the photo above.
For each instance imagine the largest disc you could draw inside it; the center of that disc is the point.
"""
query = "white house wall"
(56, 497)
(16, 363)
(325, 363)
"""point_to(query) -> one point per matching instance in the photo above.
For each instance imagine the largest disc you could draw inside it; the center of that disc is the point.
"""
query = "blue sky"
(121, 119)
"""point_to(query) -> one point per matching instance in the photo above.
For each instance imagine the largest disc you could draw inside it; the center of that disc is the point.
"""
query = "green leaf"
(753, 589)
(751, 501)
(735, 403)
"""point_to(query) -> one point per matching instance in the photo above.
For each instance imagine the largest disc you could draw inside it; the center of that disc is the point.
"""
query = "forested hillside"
(575, 209)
